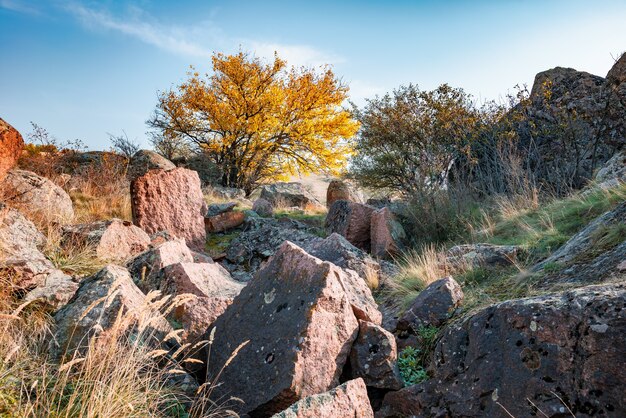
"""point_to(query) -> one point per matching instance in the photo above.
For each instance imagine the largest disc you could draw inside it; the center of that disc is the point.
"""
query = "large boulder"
(351, 220)
(433, 306)
(545, 353)
(37, 196)
(146, 268)
(386, 234)
(145, 160)
(195, 316)
(114, 240)
(20, 255)
(347, 400)
(97, 306)
(342, 190)
(11, 144)
(373, 357)
(299, 327)
(292, 194)
(172, 201)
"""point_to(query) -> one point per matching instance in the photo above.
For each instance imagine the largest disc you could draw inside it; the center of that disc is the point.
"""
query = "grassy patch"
(217, 244)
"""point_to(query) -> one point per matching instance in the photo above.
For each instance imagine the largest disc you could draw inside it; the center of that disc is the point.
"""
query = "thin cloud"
(19, 7)
(297, 55)
(169, 39)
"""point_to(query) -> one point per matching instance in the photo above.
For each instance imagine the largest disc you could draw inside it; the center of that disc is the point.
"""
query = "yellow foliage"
(261, 121)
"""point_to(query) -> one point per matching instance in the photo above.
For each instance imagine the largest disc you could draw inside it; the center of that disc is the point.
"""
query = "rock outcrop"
(299, 327)
(113, 240)
(37, 197)
(546, 353)
(170, 201)
(591, 256)
(433, 306)
(351, 220)
(11, 144)
(347, 400)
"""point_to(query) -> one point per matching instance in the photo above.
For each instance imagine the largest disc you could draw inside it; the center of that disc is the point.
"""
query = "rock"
(340, 252)
(481, 255)
(433, 306)
(591, 255)
(299, 325)
(288, 195)
(373, 357)
(567, 345)
(146, 160)
(342, 190)
(171, 201)
(261, 238)
(20, 257)
(37, 196)
(95, 307)
(386, 234)
(224, 221)
(197, 315)
(200, 279)
(613, 169)
(617, 73)
(227, 193)
(263, 207)
(146, 268)
(347, 400)
(11, 144)
(351, 220)
(207, 170)
(219, 208)
(57, 289)
(114, 240)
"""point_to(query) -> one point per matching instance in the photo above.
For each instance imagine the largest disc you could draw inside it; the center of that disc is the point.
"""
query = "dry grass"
(114, 375)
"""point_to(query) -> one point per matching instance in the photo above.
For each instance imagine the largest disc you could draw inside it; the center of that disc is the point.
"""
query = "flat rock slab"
(347, 400)
(170, 201)
(200, 279)
(298, 322)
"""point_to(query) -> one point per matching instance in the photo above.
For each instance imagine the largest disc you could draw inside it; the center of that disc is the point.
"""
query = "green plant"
(411, 369)
(552, 267)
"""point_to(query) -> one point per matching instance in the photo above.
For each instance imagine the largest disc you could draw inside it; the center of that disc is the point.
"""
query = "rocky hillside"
(206, 302)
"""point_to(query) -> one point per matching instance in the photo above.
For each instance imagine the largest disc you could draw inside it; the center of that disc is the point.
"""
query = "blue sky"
(81, 69)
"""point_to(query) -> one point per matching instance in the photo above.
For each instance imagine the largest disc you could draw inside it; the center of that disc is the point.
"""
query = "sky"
(84, 69)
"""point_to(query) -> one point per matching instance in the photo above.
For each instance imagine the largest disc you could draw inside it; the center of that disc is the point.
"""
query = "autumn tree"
(260, 121)
(410, 139)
